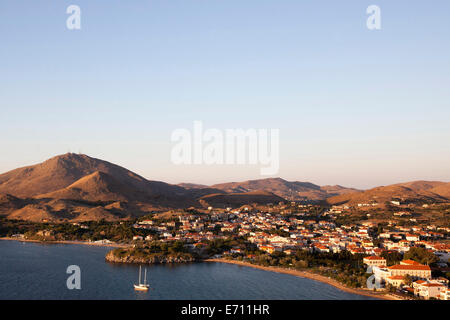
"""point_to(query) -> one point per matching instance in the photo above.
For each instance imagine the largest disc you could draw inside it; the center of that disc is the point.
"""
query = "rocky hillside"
(290, 190)
(62, 171)
(416, 191)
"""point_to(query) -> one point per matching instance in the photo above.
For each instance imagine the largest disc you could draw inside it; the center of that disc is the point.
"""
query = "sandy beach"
(309, 275)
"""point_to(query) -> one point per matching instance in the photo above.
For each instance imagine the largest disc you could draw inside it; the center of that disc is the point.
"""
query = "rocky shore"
(127, 256)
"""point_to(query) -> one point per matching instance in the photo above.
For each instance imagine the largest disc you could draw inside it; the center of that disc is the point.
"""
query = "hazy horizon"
(355, 107)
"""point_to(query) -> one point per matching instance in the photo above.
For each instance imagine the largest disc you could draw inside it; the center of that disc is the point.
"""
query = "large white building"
(411, 268)
(394, 275)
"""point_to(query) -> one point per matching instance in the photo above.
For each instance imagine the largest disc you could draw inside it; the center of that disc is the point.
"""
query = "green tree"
(392, 257)
(421, 255)
(408, 280)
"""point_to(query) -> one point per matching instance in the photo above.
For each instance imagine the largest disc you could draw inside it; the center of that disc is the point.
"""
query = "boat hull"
(140, 287)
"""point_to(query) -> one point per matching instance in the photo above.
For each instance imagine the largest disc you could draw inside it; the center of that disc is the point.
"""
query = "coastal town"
(404, 255)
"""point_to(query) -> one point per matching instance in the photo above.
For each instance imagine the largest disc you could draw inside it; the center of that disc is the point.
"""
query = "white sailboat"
(142, 286)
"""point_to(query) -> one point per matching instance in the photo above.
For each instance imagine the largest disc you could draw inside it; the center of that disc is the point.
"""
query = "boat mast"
(139, 274)
(145, 276)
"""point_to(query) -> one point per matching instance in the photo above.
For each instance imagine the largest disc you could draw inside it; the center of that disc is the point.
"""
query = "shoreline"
(297, 273)
(77, 242)
(308, 275)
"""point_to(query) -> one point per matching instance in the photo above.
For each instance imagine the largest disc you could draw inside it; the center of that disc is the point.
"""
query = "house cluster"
(274, 232)
(188, 228)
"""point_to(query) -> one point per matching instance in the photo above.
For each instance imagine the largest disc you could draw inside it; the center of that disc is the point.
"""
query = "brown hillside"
(97, 186)
(419, 191)
(421, 185)
(9, 203)
(34, 213)
(95, 214)
(443, 190)
(295, 190)
(62, 171)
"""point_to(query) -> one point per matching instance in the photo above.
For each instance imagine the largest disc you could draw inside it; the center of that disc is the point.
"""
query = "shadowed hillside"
(237, 199)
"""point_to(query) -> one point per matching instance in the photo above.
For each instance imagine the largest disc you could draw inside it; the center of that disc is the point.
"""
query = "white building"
(430, 289)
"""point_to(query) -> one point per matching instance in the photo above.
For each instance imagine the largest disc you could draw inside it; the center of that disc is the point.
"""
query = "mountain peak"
(68, 157)
(63, 170)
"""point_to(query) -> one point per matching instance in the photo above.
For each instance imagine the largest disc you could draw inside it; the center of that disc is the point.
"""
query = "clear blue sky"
(354, 107)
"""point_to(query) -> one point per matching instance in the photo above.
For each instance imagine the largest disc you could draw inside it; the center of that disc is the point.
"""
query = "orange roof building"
(413, 270)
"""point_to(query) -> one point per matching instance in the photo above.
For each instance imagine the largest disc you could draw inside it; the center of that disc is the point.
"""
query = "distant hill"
(416, 191)
(294, 191)
(420, 185)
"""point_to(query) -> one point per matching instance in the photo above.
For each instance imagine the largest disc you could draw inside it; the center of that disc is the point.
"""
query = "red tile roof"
(374, 258)
(411, 262)
(409, 267)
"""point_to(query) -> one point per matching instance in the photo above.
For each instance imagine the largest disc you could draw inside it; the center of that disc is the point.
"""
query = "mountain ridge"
(77, 187)
(290, 190)
(413, 191)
